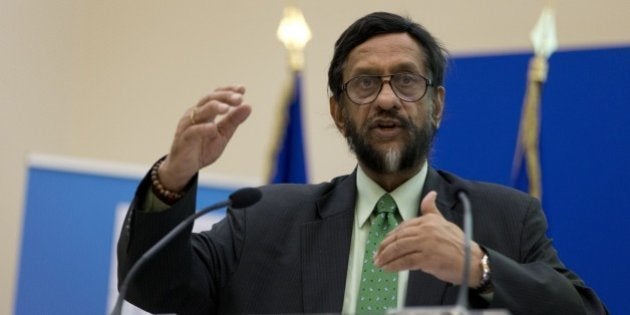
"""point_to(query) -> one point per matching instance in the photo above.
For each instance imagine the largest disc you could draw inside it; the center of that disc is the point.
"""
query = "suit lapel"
(422, 288)
(326, 247)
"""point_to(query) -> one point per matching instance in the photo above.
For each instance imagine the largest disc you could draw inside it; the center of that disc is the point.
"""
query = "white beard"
(392, 160)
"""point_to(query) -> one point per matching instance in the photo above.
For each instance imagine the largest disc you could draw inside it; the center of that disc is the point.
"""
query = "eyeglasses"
(364, 89)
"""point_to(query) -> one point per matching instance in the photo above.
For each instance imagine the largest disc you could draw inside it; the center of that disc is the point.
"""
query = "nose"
(386, 98)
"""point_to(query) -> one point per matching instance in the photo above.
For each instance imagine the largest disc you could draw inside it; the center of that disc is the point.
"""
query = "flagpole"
(544, 41)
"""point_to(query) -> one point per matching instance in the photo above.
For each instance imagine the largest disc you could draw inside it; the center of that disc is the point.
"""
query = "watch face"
(485, 285)
(484, 263)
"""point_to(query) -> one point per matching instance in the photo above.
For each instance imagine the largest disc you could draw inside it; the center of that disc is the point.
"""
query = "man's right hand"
(200, 137)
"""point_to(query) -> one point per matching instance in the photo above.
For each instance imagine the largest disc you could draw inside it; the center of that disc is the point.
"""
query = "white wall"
(108, 80)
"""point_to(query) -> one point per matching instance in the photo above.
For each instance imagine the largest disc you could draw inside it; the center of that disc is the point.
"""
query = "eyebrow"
(401, 67)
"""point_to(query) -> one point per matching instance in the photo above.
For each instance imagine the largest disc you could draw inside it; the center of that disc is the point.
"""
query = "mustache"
(388, 117)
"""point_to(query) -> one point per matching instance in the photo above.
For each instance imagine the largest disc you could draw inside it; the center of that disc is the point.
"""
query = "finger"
(408, 223)
(234, 88)
(398, 234)
(428, 205)
(229, 97)
(401, 247)
(411, 261)
(227, 126)
(209, 111)
(198, 117)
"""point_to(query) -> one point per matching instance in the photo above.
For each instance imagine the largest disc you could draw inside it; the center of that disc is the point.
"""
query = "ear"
(438, 105)
(336, 112)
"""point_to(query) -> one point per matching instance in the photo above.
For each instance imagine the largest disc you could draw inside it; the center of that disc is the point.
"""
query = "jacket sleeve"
(538, 283)
(185, 275)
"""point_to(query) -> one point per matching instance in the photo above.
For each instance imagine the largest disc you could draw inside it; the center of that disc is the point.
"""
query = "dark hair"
(384, 23)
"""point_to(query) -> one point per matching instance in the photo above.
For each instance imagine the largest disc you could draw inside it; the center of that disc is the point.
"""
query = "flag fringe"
(529, 129)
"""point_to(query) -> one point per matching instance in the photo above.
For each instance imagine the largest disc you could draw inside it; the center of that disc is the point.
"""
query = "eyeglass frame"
(428, 83)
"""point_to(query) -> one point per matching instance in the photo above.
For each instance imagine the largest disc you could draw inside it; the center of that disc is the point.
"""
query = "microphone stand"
(462, 297)
(117, 310)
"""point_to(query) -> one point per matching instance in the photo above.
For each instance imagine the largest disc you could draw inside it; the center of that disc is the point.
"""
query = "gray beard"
(412, 154)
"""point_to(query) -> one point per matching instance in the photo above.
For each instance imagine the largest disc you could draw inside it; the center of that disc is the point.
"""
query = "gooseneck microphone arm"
(241, 198)
(462, 297)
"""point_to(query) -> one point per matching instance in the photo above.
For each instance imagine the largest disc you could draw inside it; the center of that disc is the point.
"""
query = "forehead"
(385, 54)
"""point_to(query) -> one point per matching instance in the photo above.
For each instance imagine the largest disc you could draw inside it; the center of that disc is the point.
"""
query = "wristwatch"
(485, 285)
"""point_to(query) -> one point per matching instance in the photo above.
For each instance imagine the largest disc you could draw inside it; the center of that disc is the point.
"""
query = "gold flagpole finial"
(294, 33)
(545, 42)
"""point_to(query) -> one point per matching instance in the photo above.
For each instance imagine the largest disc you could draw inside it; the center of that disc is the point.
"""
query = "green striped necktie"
(378, 290)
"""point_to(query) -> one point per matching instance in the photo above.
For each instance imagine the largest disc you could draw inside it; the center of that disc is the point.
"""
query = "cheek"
(422, 114)
(356, 116)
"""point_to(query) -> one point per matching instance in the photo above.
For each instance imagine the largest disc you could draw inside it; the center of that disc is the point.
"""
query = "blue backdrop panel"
(585, 149)
(67, 239)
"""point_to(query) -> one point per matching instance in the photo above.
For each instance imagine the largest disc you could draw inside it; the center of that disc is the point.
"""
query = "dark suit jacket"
(288, 253)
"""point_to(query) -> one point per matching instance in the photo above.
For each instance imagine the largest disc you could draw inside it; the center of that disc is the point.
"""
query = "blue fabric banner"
(289, 165)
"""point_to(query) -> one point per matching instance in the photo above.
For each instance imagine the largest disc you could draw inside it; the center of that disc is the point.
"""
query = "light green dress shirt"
(407, 197)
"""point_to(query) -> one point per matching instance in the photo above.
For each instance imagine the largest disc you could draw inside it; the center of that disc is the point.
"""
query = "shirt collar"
(407, 195)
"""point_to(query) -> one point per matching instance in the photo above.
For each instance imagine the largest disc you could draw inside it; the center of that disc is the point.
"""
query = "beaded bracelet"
(158, 189)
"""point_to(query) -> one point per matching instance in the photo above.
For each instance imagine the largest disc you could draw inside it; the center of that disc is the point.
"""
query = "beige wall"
(108, 80)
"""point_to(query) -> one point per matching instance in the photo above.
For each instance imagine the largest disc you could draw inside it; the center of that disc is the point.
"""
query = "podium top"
(442, 310)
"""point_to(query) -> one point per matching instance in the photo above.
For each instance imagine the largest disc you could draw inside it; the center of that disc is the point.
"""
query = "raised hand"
(202, 134)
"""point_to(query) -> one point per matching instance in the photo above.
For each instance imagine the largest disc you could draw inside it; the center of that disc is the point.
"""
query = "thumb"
(428, 204)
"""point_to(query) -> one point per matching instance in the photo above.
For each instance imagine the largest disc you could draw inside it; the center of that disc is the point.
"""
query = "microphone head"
(245, 197)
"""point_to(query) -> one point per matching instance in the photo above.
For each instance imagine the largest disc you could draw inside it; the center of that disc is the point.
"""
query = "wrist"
(169, 178)
(162, 192)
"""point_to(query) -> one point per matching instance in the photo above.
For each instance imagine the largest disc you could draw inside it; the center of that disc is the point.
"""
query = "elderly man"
(385, 236)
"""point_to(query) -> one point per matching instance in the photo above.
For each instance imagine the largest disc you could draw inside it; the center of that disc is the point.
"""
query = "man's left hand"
(429, 243)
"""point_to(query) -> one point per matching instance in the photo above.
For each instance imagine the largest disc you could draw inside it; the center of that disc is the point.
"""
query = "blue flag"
(289, 163)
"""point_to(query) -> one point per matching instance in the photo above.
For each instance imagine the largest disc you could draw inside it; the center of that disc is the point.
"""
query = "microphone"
(241, 198)
(462, 296)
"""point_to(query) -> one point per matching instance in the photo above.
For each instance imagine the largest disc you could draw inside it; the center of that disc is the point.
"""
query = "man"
(320, 248)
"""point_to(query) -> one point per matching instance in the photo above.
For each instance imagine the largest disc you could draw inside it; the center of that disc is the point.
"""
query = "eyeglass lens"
(365, 88)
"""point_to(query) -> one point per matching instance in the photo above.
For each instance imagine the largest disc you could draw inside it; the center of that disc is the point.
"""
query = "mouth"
(386, 129)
